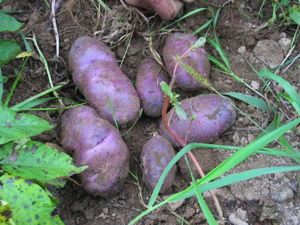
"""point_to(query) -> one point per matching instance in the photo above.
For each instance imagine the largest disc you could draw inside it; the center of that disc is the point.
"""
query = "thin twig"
(53, 3)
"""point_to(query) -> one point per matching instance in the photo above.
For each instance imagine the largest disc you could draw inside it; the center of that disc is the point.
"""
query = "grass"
(273, 133)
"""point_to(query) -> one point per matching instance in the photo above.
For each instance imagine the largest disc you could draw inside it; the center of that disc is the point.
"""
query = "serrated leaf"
(14, 125)
(36, 161)
(8, 23)
(30, 203)
(8, 50)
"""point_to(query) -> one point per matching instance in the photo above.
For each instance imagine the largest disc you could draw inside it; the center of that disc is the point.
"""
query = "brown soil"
(127, 26)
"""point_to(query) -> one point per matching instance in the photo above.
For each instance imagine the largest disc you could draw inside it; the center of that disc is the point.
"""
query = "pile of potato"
(87, 132)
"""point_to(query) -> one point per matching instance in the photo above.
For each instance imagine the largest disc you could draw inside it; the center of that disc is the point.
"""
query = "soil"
(272, 199)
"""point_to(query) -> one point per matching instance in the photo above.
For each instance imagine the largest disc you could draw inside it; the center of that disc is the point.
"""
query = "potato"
(95, 142)
(98, 76)
(166, 9)
(156, 155)
(148, 79)
(178, 44)
(209, 116)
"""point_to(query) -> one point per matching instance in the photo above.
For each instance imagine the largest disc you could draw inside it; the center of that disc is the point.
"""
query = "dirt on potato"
(132, 33)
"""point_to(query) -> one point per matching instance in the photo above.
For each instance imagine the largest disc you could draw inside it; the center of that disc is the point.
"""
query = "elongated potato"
(156, 155)
(98, 76)
(177, 45)
(208, 117)
(95, 142)
(148, 79)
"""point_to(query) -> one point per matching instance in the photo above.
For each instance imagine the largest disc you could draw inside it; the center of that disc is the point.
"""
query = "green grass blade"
(205, 209)
(216, 44)
(33, 98)
(218, 63)
(249, 150)
(193, 12)
(225, 181)
(35, 103)
(258, 103)
(289, 89)
(233, 178)
(1, 86)
(229, 163)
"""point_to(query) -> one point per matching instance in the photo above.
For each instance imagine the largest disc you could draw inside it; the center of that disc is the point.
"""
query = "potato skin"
(98, 76)
(156, 155)
(208, 117)
(166, 9)
(148, 79)
(95, 142)
(177, 44)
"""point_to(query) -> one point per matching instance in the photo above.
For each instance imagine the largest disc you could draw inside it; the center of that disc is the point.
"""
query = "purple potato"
(98, 76)
(156, 155)
(209, 116)
(96, 143)
(178, 44)
(148, 79)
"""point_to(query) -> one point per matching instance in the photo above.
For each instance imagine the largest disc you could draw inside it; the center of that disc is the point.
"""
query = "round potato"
(209, 116)
(156, 155)
(98, 76)
(148, 79)
(177, 45)
(96, 143)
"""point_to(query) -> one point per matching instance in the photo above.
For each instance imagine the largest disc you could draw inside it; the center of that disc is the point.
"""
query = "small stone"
(255, 85)
(242, 50)
(269, 52)
(105, 210)
(173, 205)
(242, 214)
(285, 44)
(189, 212)
(235, 220)
(251, 138)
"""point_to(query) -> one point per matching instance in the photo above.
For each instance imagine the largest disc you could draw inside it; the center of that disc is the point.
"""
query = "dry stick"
(182, 142)
(53, 3)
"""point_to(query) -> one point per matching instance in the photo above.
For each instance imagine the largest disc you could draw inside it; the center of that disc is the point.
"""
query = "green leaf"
(14, 125)
(180, 112)
(8, 23)
(289, 89)
(1, 1)
(37, 161)
(258, 103)
(8, 51)
(30, 204)
(295, 14)
(166, 89)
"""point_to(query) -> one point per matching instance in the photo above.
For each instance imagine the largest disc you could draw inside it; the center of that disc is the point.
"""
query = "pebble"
(242, 50)
(173, 205)
(189, 212)
(285, 44)
(255, 85)
(269, 52)
(236, 220)
(105, 210)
